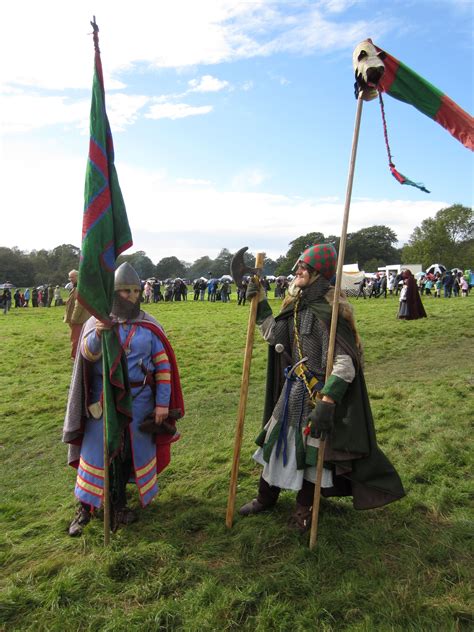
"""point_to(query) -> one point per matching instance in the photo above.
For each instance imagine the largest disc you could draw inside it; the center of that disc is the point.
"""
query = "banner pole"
(334, 317)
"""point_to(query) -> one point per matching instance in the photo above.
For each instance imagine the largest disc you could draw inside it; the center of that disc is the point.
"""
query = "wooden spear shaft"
(244, 389)
(335, 313)
(106, 456)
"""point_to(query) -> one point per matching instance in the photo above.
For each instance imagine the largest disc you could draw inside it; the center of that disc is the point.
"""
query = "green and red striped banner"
(105, 234)
(402, 83)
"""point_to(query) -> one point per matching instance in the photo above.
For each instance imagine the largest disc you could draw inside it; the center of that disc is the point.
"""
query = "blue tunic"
(141, 346)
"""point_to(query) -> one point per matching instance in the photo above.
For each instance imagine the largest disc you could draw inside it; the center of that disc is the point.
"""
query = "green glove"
(322, 419)
(254, 289)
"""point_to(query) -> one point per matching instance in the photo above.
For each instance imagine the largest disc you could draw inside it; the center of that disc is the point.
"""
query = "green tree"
(201, 267)
(447, 238)
(61, 260)
(170, 267)
(40, 260)
(369, 244)
(221, 264)
(16, 267)
(143, 265)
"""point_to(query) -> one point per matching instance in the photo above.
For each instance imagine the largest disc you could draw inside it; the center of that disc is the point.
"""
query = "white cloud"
(167, 214)
(193, 182)
(336, 6)
(53, 48)
(23, 113)
(123, 109)
(175, 111)
(249, 178)
(208, 83)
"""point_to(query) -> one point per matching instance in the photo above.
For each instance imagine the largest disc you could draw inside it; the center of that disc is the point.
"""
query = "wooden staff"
(244, 389)
(106, 499)
(335, 313)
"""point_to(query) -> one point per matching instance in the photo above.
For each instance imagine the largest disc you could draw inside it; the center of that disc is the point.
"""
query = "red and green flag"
(402, 83)
(105, 234)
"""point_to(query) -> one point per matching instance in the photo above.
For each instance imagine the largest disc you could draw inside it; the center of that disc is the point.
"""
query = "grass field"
(406, 567)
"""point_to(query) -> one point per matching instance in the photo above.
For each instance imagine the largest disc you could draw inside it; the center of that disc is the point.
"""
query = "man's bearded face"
(126, 305)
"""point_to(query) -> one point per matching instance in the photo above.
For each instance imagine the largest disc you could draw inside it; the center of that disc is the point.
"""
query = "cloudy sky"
(232, 120)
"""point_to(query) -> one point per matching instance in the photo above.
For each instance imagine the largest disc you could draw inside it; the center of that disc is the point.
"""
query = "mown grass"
(405, 567)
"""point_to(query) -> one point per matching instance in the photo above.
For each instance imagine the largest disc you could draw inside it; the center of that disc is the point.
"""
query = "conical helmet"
(126, 278)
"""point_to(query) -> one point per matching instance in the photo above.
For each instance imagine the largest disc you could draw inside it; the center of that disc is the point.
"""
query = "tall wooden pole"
(334, 317)
(106, 499)
(244, 389)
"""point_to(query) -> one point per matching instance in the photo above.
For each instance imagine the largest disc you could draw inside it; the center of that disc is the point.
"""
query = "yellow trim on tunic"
(162, 376)
(87, 353)
(90, 469)
(148, 486)
(140, 472)
(88, 486)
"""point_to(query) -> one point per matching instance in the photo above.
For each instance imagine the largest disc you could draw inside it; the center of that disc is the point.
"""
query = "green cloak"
(360, 468)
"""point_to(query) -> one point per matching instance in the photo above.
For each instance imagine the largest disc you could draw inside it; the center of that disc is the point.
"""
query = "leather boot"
(253, 507)
(81, 519)
(300, 520)
(124, 516)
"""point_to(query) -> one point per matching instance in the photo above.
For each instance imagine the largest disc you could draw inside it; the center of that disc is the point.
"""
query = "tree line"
(447, 238)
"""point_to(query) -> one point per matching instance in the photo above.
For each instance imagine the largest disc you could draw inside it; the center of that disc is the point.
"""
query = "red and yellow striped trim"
(89, 487)
(92, 357)
(90, 469)
(160, 357)
(146, 488)
(163, 376)
(142, 471)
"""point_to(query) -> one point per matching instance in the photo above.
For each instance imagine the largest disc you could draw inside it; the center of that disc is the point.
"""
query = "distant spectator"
(225, 292)
(456, 285)
(50, 295)
(398, 280)
(27, 297)
(448, 284)
(147, 291)
(362, 286)
(58, 301)
(34, 297)
(157, 296)
(169, 292)
(383, 286)
(391, 283)
(202, 289)
(464, 286)
(196, 289)
(438, 285)
(411, 307)
(16, 298)
(265, 283)
(6, 300)
(421, 284)
(241, 293)
(76, 315)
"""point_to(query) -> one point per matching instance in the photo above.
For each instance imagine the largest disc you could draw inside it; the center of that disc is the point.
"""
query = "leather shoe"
(81, 519)
(253, 507)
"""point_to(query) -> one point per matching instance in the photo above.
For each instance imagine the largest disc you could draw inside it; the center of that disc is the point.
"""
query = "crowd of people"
(212, 290)
(452, 284)
(43, 296)
(448, 284)
(429, 284)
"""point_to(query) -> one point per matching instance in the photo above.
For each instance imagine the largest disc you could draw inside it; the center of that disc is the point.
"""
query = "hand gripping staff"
(238, 270)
